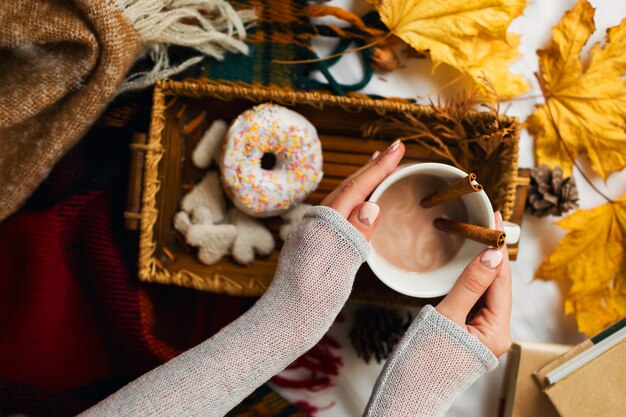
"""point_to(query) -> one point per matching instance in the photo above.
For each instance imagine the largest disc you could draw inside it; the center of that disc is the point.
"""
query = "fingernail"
(499, 215)
(368, 213)
(375, 155)
(491, 258)
(395, 145)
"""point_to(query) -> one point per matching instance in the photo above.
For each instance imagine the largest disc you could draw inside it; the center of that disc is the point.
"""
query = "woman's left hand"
(348, 199)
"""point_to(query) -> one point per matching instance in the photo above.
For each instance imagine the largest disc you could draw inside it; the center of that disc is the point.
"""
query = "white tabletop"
(537, 305)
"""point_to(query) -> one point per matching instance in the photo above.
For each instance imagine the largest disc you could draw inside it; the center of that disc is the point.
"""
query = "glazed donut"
(271, 160)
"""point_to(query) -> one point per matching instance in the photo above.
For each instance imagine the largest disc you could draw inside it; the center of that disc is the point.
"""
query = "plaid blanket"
(271, 38)
(282, 32)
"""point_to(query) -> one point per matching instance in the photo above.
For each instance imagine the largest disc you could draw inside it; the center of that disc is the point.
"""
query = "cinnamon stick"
(455, 189)
(491, 237)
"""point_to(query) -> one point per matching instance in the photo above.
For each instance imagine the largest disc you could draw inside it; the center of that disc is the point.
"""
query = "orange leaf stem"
(349, 51)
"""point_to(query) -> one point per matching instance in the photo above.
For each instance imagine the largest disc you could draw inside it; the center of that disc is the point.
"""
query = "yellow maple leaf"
(587, 105)
(592, 257)
(469, 35)
(494, 65)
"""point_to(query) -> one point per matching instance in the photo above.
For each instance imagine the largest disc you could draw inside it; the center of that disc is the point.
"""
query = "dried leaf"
(384, 59)
(469, 35)
(587, 105)
(592, 257)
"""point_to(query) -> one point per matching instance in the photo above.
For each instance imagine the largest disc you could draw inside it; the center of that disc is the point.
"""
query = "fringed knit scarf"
(62, 61)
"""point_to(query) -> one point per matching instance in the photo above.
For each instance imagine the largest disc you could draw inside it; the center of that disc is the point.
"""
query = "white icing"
(288, 135)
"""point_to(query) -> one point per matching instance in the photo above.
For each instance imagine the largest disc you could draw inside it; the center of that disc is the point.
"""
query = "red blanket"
(74, 322)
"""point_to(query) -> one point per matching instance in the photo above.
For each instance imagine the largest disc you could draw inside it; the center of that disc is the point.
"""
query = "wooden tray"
(181, 113)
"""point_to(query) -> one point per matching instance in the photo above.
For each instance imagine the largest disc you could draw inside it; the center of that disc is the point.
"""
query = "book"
(604, 340)
(589, 379)
(521, 396)
(585, 357)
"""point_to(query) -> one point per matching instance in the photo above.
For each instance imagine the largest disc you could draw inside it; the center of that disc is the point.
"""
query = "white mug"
(439, 281)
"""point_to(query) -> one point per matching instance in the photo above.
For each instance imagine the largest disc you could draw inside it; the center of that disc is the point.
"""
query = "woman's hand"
(488, 275)
(348, 199)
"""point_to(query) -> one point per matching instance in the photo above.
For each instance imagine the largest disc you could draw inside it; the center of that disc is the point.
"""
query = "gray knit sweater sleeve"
(314, 277)
(434, 362)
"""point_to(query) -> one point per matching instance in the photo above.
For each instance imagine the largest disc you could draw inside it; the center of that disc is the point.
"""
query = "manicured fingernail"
(375, 155)
(491, 258)
(395, 145)
(368, 213)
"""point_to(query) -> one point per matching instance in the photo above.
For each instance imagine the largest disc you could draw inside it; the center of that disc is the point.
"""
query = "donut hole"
(268, 161)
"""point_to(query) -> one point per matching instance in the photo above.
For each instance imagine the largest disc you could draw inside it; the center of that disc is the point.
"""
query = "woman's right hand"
(488, 275)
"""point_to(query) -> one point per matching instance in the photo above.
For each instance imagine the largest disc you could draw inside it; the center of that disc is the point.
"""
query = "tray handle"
(521, 190)
(132, 215)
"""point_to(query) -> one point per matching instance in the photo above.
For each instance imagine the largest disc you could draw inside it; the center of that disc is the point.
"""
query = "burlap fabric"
(60, 63)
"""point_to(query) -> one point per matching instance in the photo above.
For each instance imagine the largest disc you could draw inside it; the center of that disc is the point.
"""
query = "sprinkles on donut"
(271, 160)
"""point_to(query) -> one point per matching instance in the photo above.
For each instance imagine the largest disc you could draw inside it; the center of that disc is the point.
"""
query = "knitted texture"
(62, 61)
(434, 363)
(314, 277)
(50, 94)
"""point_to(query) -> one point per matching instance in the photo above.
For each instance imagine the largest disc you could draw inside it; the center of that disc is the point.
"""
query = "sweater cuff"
(465, 339)
(343, 227)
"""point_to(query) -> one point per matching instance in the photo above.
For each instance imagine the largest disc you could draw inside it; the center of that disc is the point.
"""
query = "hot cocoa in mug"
(407, 252)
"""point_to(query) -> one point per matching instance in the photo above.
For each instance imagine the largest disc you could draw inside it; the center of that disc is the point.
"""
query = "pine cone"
(376, 331)
(549, 193)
